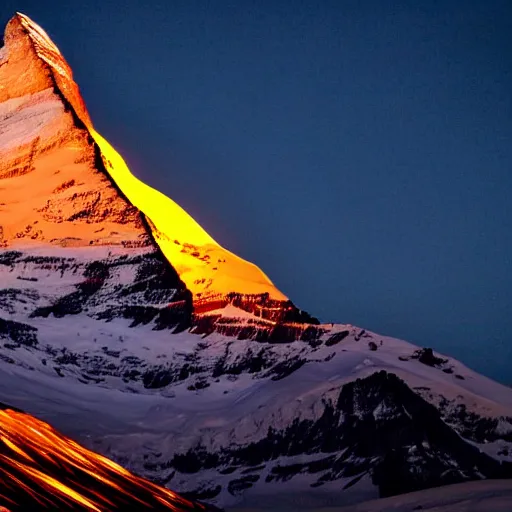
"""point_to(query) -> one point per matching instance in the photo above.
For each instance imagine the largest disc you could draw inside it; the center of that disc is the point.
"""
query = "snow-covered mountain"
(127, 327)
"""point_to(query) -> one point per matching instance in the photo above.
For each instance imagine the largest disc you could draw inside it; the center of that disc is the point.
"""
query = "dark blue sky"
(359, 152)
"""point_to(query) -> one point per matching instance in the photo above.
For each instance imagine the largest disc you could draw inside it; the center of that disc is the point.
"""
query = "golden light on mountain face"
(207, 269)
(204, 266)
(44, 469)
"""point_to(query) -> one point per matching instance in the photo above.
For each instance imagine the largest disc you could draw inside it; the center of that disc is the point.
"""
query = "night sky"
(359, 152)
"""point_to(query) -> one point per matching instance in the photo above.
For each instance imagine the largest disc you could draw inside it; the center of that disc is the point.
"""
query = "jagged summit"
(81, 190)
(54, 189)
(59, 69)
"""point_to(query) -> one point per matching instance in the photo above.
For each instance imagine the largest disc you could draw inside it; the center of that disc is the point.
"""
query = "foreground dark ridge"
(42, 470)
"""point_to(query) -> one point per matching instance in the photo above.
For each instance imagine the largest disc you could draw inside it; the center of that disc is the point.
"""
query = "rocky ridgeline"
(376, 428)
(274, 321)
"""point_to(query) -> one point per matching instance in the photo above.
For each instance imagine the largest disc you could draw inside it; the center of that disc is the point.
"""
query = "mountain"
(127, 327)
(84, 184)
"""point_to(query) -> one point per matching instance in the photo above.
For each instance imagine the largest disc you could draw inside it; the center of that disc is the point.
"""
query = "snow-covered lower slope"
(483, 496)
(489, 496)
(340, 416)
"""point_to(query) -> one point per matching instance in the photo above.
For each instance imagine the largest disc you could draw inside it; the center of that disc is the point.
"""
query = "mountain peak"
(54, 189)
(35, 32)
(23, 33)
(42, 112)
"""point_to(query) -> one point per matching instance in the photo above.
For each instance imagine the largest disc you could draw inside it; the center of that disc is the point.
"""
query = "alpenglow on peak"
(39, 104)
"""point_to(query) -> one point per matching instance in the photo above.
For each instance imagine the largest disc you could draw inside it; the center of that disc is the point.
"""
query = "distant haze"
(359, 152)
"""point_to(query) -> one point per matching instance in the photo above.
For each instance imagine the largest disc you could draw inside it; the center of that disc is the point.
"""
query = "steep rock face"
(208, 269)
(266, 320)
(35, 64)
(54, 188)
(50, 147)
(70, 242)
(103, 284)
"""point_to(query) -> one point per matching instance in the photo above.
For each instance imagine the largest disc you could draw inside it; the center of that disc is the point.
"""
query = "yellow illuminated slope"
(158, 207)
(206, 268)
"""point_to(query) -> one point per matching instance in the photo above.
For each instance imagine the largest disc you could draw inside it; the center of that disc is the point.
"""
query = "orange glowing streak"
(40, 439)
(14, 448)
(21, 484)
(56, 485)
(164, 212)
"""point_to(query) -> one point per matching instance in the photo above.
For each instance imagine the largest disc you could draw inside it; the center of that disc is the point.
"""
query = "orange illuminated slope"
(42, 470)
(53, 189)
(207, 269)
